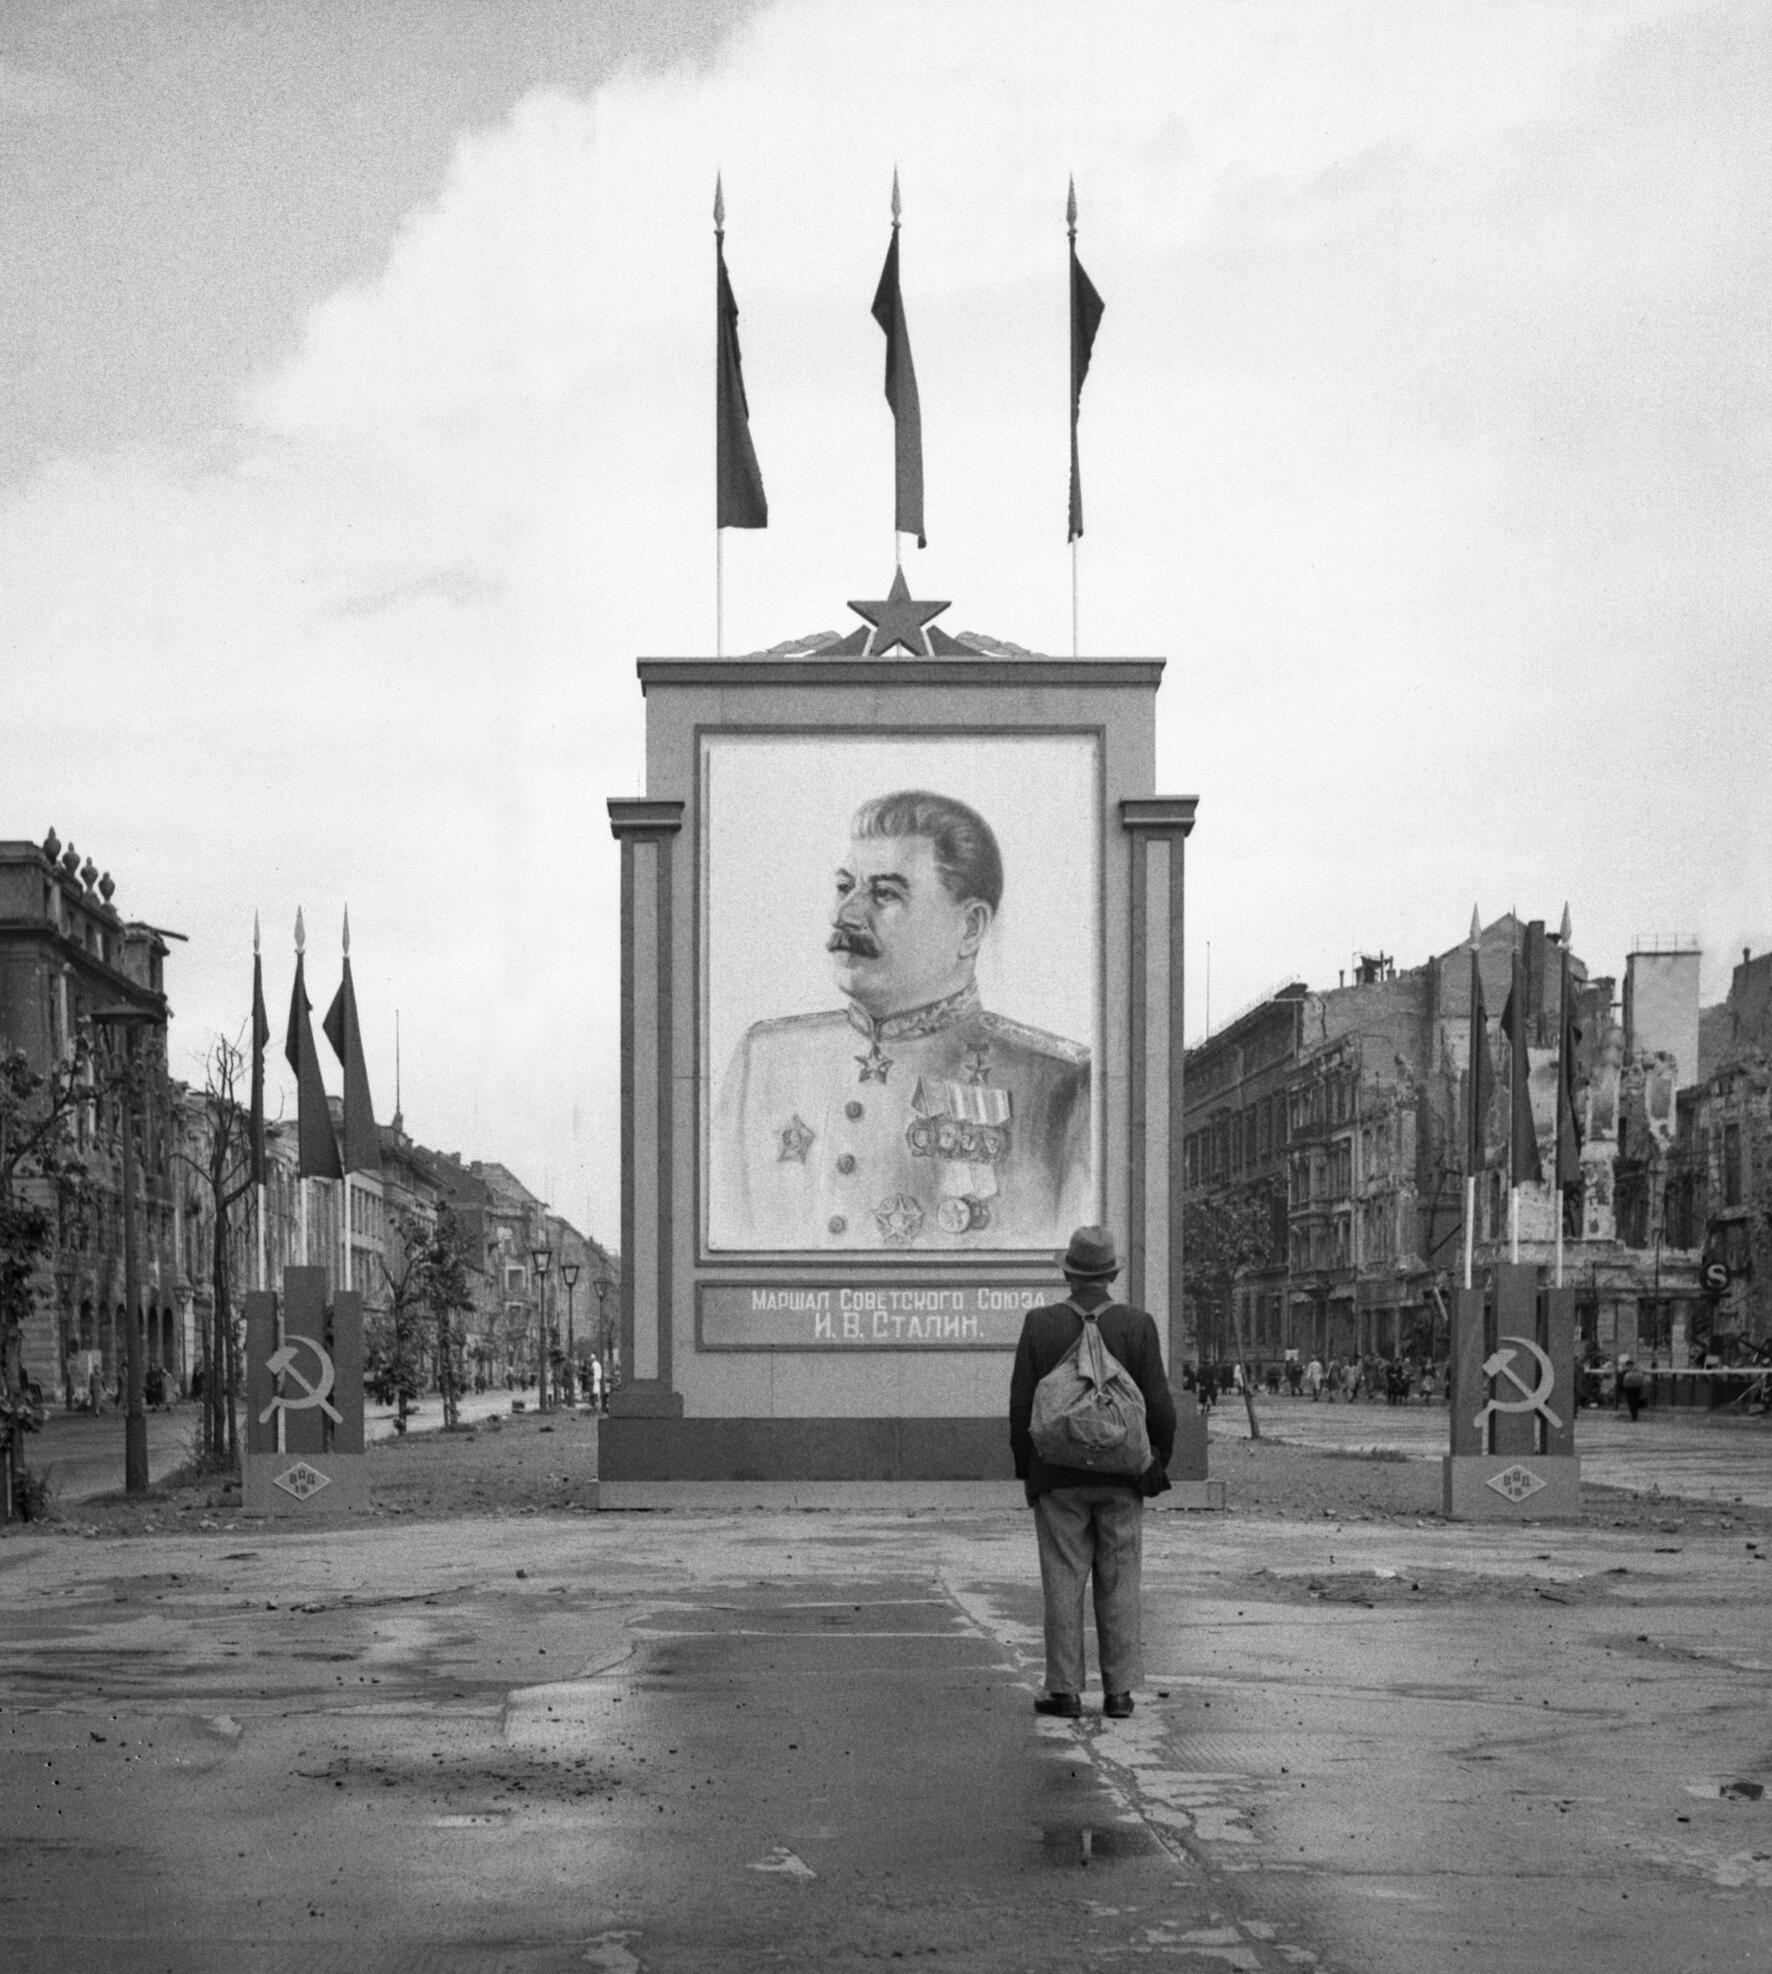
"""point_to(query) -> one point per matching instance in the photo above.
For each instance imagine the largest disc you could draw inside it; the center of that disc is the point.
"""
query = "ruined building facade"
(1359, 1094)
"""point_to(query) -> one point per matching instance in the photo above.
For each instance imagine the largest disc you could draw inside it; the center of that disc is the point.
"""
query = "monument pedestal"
(304, 1385)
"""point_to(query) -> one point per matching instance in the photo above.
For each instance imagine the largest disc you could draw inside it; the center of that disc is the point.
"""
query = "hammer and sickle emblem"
(281, 1363)
(1500, 1364)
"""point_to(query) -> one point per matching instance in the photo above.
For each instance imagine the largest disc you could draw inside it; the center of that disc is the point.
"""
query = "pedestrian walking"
(1631, 1383)
(1313, 1379)
(1090, 1525)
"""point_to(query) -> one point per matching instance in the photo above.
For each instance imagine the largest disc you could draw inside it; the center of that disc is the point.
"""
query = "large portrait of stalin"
(912, 1116)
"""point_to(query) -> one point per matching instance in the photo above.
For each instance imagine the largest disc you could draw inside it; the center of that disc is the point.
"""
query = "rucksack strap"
(1091, 1315)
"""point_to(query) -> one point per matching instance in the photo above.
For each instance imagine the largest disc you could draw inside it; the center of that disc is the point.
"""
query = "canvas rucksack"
(1088, 1410)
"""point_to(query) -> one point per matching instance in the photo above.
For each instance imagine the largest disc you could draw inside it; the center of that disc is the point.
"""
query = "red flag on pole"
(1523, 1161)
(362, 1143)
(1482, 1077)
(1086, 313)
(901, 393)
(261, 1034)
(1568, 1129)
(739, 498)
(316, 1146)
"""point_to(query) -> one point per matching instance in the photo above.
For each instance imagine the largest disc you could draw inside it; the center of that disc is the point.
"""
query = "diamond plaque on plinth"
(1496, 1487)
(315, 1486)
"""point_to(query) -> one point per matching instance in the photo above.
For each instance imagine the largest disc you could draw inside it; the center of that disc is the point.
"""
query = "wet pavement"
(82, 1454)
(1723, 1457)
(805, 1740)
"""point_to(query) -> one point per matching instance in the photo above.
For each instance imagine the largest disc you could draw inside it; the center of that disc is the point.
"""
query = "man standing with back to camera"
(1090, 1524)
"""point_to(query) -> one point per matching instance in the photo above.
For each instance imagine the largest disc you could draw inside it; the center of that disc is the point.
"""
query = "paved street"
(1703, 1456)
(651, 1742)
(83, 1455)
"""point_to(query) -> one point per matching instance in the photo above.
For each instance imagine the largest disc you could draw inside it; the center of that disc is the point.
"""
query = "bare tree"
(226, 1171)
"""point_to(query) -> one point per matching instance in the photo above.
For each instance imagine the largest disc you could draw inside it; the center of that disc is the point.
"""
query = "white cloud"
(1426, 436)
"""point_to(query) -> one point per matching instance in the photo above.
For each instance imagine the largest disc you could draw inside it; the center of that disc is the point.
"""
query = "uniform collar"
(928, 1020)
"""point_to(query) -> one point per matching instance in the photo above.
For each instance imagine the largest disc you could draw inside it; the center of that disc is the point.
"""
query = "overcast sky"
(358, 382)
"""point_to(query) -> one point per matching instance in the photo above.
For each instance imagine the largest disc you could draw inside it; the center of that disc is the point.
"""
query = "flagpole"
(719, 532)
(1473, 1124)
(897, 538)
(1070, 215)
(345, 1180)
(301, 943)
(1518, 1058)
(256, 1149)
(1564, 1032)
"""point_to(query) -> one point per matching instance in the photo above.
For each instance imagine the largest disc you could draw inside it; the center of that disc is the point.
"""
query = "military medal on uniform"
(964, 1127)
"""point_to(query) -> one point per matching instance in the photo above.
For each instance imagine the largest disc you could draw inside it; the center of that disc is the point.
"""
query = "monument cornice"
(1159, 815)
(815, 670)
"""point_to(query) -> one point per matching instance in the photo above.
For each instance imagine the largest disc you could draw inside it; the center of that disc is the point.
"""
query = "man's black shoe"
(1117, 1706)
(1067, 1706)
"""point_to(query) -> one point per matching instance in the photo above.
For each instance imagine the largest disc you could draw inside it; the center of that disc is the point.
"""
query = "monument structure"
(902, 939)
(304, 1400)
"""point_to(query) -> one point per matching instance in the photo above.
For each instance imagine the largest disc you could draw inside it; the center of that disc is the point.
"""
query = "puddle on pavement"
(1734, 1789)
(1086, 1844)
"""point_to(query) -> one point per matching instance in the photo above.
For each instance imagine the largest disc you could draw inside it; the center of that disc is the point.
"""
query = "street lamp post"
(569, 1271)
(542, 1257)
(135, 1431)
(603, 1285)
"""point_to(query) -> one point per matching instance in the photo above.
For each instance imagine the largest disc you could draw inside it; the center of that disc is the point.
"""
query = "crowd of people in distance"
(1601, 1381)
(1395, 1380)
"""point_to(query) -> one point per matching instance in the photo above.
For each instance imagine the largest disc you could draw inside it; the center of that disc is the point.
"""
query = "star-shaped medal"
(898, 621)
(978, 1065)
(874, 1064)
(796, 1138)
(899, 1219)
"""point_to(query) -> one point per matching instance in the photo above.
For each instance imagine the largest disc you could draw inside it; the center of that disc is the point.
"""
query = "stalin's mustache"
(853, 939)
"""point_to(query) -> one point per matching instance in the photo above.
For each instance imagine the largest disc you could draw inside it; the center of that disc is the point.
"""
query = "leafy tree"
(395, 1354)
(443, 1283)
(1223, 1238)
(40, 1171)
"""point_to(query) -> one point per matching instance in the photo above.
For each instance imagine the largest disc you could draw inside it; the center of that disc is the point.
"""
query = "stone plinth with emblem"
(1512, 1402)
(841, 1189)
(304, 1400)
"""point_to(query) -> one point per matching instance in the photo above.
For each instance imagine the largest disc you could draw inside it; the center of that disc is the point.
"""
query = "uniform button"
(846, 1163)
(837, 1224)
(852, 1110)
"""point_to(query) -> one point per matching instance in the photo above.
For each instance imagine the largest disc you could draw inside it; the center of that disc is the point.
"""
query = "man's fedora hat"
(1091, 1255)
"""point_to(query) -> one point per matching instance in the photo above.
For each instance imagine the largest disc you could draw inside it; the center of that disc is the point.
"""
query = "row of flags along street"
(322, 1152)
(1521, 1157)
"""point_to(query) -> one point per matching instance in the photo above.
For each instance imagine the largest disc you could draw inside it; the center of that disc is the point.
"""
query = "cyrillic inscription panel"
(864, 1315)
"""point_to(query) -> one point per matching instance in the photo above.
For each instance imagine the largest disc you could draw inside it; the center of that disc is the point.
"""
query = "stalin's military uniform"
(943, 1127)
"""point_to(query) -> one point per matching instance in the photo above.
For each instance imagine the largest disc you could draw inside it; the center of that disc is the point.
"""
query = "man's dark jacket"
(1046, 1334)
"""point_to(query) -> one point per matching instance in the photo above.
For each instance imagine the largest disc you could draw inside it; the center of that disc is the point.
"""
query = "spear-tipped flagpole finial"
(301, 934)
(1070, 207)
(347, 932)
(897, 204)
(1568, 929)
(255, 932)
(1476, 938)
(719, 206)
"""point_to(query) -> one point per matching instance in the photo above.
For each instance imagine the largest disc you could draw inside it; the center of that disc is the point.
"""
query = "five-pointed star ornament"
(898, 621)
